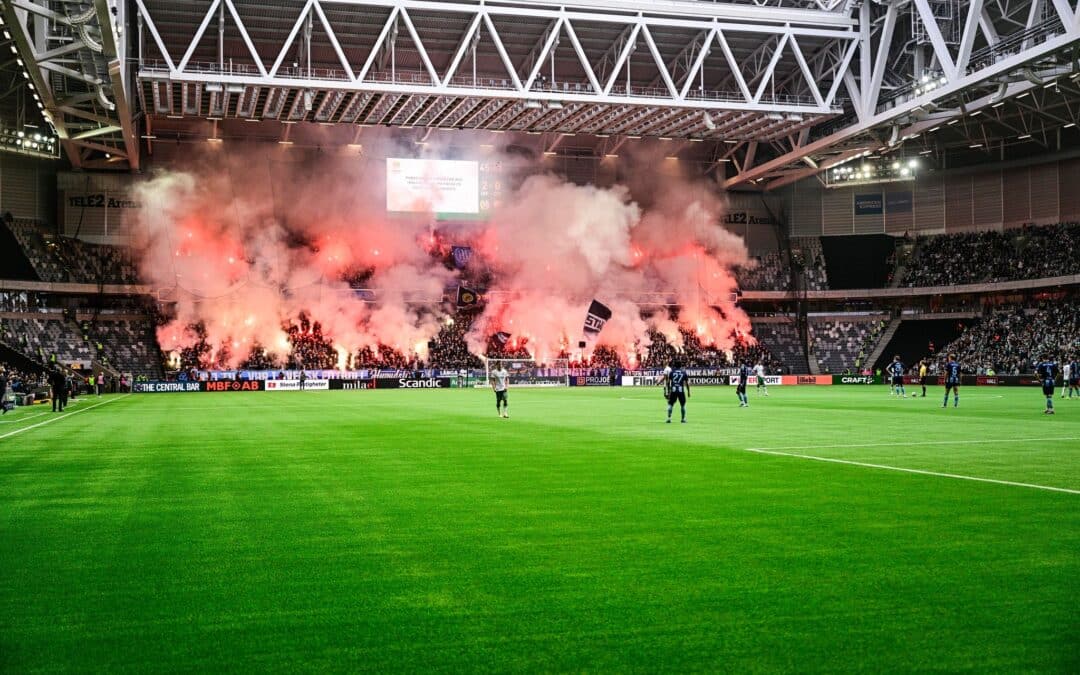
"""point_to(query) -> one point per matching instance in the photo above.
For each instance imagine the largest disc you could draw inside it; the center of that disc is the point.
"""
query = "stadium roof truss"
(780, 89)
(630, 67)
(74, 55)
(943, 78)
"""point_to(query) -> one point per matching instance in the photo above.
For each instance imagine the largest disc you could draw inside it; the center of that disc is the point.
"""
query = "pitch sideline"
(57, 419)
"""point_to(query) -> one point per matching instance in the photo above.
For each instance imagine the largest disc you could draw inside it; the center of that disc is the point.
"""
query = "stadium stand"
(64, 259)
(843, 344)
(126, 345)
(1035, 252)
(781, 338)
(772, 270)
(1010, 339)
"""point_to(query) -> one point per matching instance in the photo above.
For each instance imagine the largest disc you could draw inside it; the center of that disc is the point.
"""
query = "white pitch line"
(922, 472)
(908, 443)
(57, 419)
(23, 419)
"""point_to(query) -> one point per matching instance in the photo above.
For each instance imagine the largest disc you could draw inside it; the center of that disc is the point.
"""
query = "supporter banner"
(868, 204)
(807, 379)
(596, 317)
(857, 379)
(592, 381)
(414, 383)
(233, 385)
(898, 202)
(165, 387)
(294, 385)
(340, 385)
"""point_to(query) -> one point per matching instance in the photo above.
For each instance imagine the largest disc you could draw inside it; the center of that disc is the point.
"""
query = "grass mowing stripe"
(833, 460)
(57, 419)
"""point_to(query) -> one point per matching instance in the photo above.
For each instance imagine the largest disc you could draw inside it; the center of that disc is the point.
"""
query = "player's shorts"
(923, 379)
(898, 380)
(1048, 387)
(1074, 381)
(677, 397)
(741, 389)
(500, 397)
(761, 382)
(951, 384)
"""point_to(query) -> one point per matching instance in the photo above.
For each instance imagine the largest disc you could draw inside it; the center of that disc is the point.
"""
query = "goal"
(528, 373)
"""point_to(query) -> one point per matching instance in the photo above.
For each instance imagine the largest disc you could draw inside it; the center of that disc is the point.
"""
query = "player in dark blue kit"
(1047, 372)
(952, 381)
(740, 390)
(896, 370)
(676, 388)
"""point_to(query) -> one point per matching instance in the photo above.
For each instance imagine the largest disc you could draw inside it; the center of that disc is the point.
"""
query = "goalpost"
(527, 373)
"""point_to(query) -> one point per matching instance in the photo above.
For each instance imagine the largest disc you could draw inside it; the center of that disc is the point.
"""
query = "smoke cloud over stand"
(248, 241)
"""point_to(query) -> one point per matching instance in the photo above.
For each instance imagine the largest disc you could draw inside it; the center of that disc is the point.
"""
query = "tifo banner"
(294, 385)
(233, 385)
(165, 387)
(462, 255)
(868, 204)
(898, 202)
(413, 383)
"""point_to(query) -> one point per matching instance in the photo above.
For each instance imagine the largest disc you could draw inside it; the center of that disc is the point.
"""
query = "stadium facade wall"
(986, 199)
(28, 187)
(98, 207)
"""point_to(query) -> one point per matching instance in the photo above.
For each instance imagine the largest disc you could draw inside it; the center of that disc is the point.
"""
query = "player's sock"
(669, 409)
(946, 401)
(956, 401)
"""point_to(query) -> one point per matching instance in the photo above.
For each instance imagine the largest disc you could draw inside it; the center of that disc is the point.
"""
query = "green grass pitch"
(416, 531)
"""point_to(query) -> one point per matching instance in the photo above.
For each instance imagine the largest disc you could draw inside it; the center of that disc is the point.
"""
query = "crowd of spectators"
(1009, 340)
(448, 349)
(22, 301)
(692, 353)
(21, 381)
(1033, 252)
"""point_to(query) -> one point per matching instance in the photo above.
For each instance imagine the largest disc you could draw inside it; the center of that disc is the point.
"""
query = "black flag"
(598, 315)
(502, 338)
(467, 297)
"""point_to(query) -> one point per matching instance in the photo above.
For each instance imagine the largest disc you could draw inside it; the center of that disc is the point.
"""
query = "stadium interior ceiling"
(761, 92)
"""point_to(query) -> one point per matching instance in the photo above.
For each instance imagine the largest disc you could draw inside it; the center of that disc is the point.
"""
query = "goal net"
(528, 373)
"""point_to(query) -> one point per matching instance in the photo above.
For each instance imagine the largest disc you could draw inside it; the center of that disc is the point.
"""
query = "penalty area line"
(921, 472)
(57, 419)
